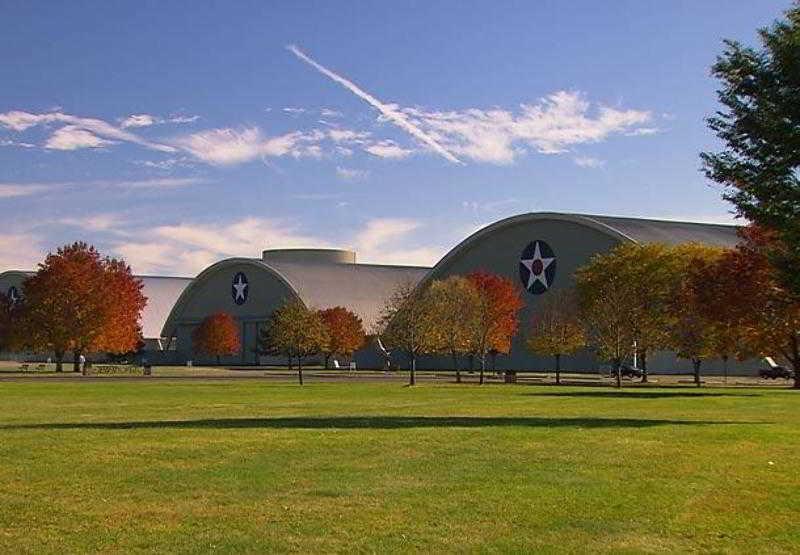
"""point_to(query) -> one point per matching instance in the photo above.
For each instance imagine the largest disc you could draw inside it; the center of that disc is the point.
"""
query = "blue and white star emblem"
(239, 288)
(537, 267)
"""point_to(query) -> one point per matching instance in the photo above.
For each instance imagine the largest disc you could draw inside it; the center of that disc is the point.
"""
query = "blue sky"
(175, 134)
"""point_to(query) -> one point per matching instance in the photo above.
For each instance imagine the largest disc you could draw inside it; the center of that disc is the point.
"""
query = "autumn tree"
(80, 302)
(556, 327)
(295, 332)
(751, 298)
(345, 332)
(454, 306)
(692, 333)
(217, 336)
(497, 321)
(407, 324)
(759, 125)
(604, 300)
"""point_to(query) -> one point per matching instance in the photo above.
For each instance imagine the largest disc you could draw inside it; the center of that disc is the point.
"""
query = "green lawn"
(195, 466)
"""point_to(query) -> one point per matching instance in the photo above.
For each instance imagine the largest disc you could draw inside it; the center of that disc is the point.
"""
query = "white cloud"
(188, 248)
(22, 251)
(11, 190)
(330, 113)
(588, 162)
(549, 126)
(231, 146)
(8, 142)
(350, 174)
(78, 132)
(294, 111)
(96, 222)
(155, 183)
(388, 149)
(389, 111)
(146, 120)
(139, 120)
(70, 137)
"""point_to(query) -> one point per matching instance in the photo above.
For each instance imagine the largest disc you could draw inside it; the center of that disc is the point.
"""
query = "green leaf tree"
(760, 127)
(295, 332)
(556, 328)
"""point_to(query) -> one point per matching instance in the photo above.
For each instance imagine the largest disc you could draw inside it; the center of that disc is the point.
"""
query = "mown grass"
(266, 466)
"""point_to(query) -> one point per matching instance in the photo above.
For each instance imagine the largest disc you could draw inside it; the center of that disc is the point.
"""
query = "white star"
(240, 287)
(529, 264)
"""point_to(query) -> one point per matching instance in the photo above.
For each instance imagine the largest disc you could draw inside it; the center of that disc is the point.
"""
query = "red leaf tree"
(80, 302)
(217, 335)
(498, 321)
(345, 332)
(749, 296)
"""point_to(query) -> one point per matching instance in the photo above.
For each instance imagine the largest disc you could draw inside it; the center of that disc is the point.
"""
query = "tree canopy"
(345, 332)
(294, 331)
(760, 127)
(217, 335)
(78, 301)
(556, 328)
(497, 322)
(454, 305)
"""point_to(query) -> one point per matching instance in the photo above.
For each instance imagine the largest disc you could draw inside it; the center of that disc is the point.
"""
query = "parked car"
(775, 372)
(626, 371)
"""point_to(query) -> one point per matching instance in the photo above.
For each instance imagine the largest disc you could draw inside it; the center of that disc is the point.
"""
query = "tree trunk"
(455, 366)
(291, 366)
(300, 370)
(618, 372)
(483, 368)
(412, 376)
(558, 369)
(643, 356)
(696, 364)
(471, 362)
(218, 360)
(76, 365)
(59, 361)
(796, 360)
(327, 360)
(725, 367)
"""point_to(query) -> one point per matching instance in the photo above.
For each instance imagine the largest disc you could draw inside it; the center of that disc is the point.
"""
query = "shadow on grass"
(371, 422)
(641, 394)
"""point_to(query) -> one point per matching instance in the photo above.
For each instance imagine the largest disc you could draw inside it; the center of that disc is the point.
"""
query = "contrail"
(393, 115)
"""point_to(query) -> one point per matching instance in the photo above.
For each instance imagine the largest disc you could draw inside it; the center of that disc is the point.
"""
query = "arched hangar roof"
(622, 229)
(362, 288)
(161, 293)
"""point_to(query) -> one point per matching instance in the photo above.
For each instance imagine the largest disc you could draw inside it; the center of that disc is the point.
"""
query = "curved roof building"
(538, 251)
(251, 288)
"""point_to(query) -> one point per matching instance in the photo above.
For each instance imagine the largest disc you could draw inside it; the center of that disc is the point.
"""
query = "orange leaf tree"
(345, 332)
(80, 302)
(217, 335)
(496, 324)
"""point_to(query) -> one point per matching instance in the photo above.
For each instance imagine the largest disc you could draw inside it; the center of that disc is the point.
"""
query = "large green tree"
(760, 127)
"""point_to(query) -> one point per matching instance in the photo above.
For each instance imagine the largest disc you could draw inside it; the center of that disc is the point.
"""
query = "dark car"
(626, 371)
(775, 372)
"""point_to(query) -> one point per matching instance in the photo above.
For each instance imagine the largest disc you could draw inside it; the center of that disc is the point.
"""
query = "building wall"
(211, 292)
(573, 243)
